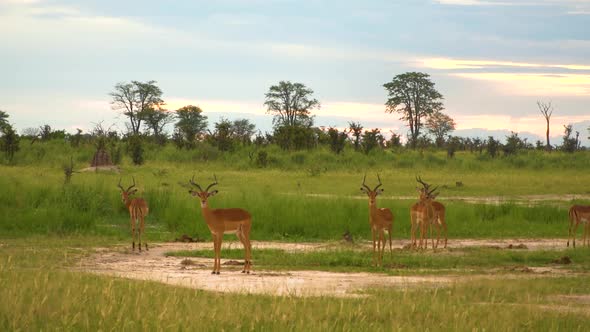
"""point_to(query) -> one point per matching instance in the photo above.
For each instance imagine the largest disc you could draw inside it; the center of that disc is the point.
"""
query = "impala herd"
(424, 214)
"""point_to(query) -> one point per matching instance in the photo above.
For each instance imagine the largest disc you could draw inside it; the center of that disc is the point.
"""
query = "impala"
(138, 210)
(422, 215)
(439, 214)
(224, 221)
(380, 219)
(579, 214)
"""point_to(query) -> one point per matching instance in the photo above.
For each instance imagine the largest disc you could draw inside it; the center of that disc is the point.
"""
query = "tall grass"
(284, 205)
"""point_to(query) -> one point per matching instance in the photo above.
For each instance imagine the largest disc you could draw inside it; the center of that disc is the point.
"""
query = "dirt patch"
(195, 273)
(517, 246)
(114, 169)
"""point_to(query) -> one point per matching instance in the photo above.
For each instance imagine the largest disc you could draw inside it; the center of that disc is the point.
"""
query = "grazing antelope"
(138, 210)
(224, 221)
(579, 214)
(422, 215)
(439, 214)
(380, 219)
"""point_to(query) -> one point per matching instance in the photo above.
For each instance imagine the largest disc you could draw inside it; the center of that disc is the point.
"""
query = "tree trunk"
(548, 148)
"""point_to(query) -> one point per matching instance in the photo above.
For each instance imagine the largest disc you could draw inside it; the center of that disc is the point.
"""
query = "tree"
(492, 146)
(134, 99)
(156, 120)
(223, 136)
(3, 121)
(243, 130)
(439, 125)
(413, 95)
(569, 143)
(190, 124)
(356, 129)
(337, 140)
(372, 139)
(9, 140)
(291, 104)
(546, 110)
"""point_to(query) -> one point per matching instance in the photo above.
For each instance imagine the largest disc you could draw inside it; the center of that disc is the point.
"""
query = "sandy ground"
(155, 266)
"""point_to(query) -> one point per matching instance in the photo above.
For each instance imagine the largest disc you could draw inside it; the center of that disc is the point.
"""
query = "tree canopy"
(291, 104)
(191, 123)
(414, 96)
(134, 99)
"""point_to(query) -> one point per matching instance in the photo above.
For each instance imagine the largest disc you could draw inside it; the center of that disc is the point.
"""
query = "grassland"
(46, 227)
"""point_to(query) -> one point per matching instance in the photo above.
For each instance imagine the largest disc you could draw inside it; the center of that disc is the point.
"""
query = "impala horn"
(192, 181)
(212, 184)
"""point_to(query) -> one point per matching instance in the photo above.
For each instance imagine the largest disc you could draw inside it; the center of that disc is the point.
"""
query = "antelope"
(224, 221)
(138, 210)
(380, 219)
(422, 215)
(578, 214)
(439, 214)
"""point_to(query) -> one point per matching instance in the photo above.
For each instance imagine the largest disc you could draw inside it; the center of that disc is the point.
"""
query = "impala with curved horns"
(381, 221)
(439, 213)
(224, 221)
(138, 210)
(422, 214)
(579, 214)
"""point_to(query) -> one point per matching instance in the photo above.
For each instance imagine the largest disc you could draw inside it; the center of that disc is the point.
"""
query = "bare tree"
(546, 110)
(134, 99)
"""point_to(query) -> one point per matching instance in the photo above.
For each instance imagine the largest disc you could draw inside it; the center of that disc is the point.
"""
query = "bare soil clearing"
(195, 273)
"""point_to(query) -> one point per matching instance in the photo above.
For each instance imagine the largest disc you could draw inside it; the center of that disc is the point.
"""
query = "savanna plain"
(66, 260)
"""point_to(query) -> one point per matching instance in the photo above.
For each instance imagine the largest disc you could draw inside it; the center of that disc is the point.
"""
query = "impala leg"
(139, 221)
(214, 253)
(132, 221)
(373, 233)
(143, 231)
(413, 231)
(444, 224)
(219, 241)
(575, 230)
(381, 246)
(390, 248)
(242, 239)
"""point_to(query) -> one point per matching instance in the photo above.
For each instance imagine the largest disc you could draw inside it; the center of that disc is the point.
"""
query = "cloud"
(535, 84)
(449, 63)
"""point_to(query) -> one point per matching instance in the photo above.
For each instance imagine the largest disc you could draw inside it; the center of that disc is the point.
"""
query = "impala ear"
(133, 192)
(213, 193)
(193, 193)
(380, 191)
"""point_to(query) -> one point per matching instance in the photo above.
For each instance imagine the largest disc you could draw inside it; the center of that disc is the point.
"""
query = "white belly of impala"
(230, 232)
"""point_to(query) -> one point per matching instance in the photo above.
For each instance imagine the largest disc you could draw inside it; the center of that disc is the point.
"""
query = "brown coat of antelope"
(380, 219)
(578, 214)
(224, 221)
(427, 213)
(138, 210)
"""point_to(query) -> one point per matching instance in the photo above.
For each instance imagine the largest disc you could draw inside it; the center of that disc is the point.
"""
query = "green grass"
(405, 262)
(283, 205)
(54, 299)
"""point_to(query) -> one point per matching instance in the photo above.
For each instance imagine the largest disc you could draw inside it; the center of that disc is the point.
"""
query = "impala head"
(125, 193)
(372, 193)
(425, 192)
(203, 194)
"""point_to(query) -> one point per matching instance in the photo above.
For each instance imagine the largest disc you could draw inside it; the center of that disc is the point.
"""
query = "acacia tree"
(439, 125)
(546, 110)
(156, 120)
(190, 124)
(413, 95)
(134, 99)
(291, 104)
(3, 120)
(243, 130)
(356, 129)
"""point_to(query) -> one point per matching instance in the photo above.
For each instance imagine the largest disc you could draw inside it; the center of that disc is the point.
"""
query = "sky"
(491, 60)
